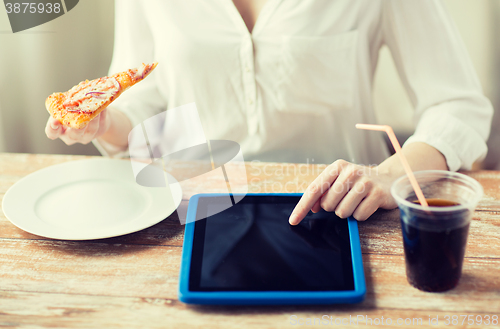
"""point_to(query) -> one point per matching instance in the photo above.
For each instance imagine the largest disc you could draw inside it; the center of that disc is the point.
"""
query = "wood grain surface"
(131, 281)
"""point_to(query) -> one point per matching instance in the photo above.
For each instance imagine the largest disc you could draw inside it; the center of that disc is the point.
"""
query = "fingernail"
(54, 127)
(293, 219)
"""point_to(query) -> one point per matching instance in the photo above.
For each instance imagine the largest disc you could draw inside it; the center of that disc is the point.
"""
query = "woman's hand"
(348, 190)
(111, 126)
(353, 190)
(96, 128)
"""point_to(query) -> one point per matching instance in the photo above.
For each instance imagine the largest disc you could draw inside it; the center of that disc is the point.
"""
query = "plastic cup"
(435, 237)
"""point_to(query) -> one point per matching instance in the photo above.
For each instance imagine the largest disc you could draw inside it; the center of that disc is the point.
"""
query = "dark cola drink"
(434, 245)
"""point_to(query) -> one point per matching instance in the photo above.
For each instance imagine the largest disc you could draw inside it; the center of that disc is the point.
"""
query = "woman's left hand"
(358, 191)
(348, 190)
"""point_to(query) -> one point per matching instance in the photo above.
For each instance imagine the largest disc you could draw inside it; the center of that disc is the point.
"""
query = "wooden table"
(131, 281)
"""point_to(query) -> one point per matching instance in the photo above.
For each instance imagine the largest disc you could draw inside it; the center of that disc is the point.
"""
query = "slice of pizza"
(79, 105)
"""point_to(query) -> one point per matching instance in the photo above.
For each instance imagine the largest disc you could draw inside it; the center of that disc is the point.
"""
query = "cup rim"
(456, 175)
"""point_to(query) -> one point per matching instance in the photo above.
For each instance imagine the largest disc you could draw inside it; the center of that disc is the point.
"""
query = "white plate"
(88, 199)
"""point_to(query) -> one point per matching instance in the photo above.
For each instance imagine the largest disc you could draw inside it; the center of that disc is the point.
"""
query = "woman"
(288, 80)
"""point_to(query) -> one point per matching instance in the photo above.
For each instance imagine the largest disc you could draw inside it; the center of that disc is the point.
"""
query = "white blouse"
(293, 89)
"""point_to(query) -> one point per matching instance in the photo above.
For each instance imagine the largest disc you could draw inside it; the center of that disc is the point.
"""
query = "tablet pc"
(250, 254)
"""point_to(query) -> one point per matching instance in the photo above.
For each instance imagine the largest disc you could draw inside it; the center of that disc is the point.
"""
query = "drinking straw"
(397, 148)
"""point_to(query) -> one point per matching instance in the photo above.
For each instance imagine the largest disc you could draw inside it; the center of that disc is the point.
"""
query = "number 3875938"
(32, 8)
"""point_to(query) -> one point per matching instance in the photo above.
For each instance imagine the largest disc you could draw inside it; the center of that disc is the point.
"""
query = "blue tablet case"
(267, 297)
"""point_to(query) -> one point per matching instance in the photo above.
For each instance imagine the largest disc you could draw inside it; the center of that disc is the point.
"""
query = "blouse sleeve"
(133, 45)
(451, 112)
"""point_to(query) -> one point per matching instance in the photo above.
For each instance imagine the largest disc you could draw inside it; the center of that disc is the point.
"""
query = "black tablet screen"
(252, 247)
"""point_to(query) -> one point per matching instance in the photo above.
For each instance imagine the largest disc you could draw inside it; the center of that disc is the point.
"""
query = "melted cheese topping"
(140, 72)
(88, 96)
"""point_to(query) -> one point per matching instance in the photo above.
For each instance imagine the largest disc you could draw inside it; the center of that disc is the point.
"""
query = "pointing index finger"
(314, 192)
